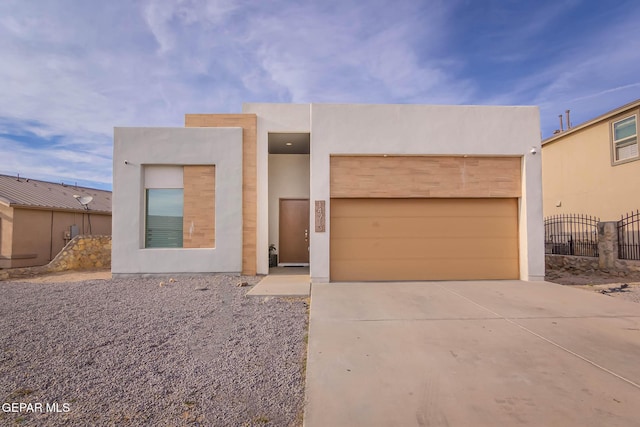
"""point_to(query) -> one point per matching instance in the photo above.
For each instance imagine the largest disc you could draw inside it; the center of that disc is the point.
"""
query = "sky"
(72, 70)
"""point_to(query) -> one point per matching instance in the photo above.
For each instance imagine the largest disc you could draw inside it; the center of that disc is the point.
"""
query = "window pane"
(164, 218)
(624, 128)
(627, 151)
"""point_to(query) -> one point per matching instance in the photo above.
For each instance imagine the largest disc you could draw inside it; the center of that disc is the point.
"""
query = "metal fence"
(571, 234)
(629, 236)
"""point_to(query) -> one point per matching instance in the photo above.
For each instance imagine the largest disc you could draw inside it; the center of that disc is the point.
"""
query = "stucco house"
(356, 192)
(594, 168)
(38, 218)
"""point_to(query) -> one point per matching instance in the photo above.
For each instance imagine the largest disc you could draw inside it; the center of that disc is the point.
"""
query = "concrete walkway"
(283, 285)
(494, 353)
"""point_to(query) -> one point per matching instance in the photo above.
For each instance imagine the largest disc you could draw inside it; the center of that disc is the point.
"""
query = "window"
(164, 212)
(625, 139)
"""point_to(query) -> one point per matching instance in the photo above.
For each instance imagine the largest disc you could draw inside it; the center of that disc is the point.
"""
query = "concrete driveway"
(489, 353)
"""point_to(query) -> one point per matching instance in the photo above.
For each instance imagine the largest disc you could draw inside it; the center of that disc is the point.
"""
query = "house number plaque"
(320, 219)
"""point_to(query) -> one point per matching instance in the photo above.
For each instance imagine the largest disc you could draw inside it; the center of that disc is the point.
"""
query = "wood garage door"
(424, 239)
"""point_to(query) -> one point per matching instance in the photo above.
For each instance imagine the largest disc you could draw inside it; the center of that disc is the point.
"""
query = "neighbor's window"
(163, 227)
(625, 139)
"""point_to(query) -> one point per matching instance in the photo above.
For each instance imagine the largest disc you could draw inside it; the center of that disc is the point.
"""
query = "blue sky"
(72, 70)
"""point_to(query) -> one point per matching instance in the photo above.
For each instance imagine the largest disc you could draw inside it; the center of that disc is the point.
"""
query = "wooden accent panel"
(423, 239)
(425, 176)
(248, 123)
(199, 217)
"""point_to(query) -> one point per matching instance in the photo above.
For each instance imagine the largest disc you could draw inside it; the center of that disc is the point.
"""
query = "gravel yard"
(195, 351)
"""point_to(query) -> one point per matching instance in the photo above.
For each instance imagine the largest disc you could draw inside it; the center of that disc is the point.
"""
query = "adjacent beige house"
(38, 218)
(594, 168)
(355, 192)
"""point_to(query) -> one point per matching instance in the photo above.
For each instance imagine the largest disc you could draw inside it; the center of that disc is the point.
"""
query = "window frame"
(616, 144)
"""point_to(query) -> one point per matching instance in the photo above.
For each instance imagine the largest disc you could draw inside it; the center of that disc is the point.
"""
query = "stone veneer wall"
(606, 262)
(570, 263)
(81, 253)
(583, 264)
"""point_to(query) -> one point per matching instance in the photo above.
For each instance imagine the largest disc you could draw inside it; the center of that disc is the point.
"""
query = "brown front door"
(294, 231)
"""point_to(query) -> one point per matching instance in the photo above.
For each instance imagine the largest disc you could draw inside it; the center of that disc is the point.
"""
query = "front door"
(294, 231)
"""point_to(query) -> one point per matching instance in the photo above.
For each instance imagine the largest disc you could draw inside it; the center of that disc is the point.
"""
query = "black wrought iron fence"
(629, 236)
(571, 234)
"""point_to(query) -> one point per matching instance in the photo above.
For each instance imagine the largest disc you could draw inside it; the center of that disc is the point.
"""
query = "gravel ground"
(196, 351)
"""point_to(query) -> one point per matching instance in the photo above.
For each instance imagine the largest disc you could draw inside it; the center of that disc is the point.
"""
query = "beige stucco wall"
(577, 173)
(288, 179)
(38, 235)
(6, 235)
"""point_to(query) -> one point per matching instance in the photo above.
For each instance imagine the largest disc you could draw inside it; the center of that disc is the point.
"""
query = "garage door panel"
(397, 270)
(397, 248)
(421, 227)
(423, 239)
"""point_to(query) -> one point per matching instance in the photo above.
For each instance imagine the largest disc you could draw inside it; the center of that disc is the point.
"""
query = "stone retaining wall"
(81, 253)
(570, 263)
(586, 265)
(607, 261)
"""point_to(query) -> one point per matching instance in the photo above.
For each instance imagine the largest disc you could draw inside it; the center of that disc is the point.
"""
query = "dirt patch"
(68, 276)
(606, 284)
(626, 291)
(595, 278)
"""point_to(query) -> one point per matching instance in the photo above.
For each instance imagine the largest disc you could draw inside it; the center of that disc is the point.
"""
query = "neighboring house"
(38, 218)
(594, 168)
(357, 192)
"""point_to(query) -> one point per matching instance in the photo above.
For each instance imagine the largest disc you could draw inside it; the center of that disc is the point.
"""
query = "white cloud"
(55, 164)
(589, 75)
(357, 52)
(72, 70)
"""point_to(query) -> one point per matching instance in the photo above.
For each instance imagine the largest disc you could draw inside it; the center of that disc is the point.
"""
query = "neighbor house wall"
(288, 179)
(577, 174)
(430, 130)
(6, 235)
(39, 235)
(32, 237)
(62, 221)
